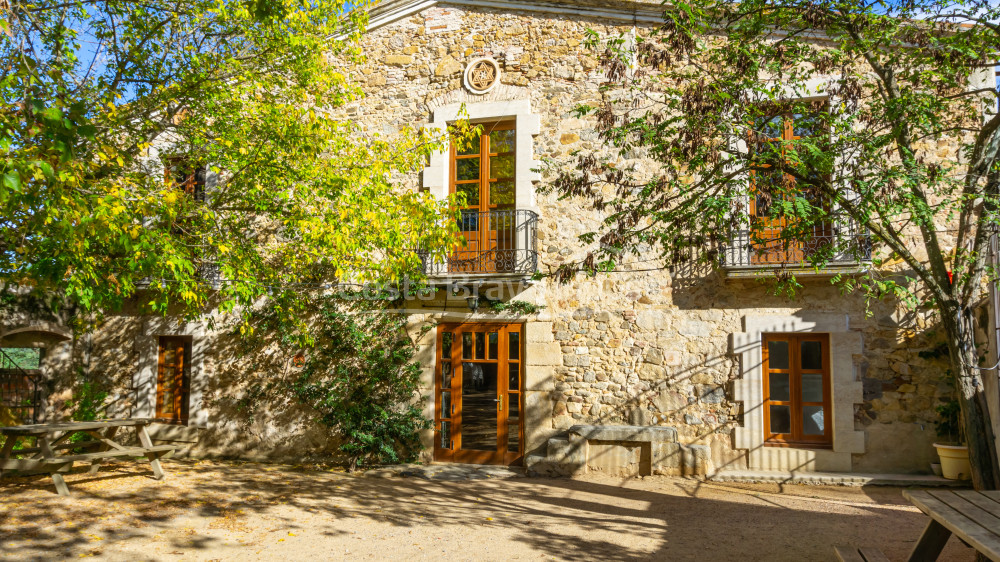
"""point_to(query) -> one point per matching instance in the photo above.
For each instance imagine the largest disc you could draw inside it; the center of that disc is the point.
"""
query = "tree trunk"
(958, 324)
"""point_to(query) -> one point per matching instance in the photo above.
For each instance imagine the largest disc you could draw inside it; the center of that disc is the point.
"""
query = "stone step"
(540, 465)
(556, 446)
(446, 471)
(560, 450)
(835, 478)
(532, 460)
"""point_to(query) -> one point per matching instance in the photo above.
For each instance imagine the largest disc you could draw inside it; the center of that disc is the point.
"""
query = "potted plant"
(952, 450)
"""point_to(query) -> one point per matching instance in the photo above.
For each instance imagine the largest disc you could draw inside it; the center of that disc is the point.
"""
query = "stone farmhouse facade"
(646, 370)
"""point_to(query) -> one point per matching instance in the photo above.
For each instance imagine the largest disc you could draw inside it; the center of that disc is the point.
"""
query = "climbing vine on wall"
(513, 306)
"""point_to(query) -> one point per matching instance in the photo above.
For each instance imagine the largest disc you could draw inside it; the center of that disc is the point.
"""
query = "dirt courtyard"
(244, 511)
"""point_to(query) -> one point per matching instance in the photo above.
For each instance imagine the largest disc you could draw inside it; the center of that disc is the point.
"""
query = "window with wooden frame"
(180, 173)
(797, 390)
(484, 170)
(775, 236)
(173, 376)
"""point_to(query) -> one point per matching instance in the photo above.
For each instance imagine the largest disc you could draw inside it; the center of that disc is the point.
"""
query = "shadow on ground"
(211, 510)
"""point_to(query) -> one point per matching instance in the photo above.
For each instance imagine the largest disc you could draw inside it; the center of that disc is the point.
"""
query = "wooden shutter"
(173, 379)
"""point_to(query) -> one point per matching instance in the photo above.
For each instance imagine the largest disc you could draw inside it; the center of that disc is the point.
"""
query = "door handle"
(499, 401)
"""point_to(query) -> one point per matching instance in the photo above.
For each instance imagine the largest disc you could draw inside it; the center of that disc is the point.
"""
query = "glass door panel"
(172, 379)
(514, 339)
(493, 345)
(444, 401)
(479, 406)
(514, 422)
(480, 345)
(513, 391)
(467, 181)
(483, 172)
(514, 384)
(467, 346)
(796, 372)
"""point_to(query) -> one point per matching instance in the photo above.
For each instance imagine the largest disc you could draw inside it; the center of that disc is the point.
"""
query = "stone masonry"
(638, 347)
(644, 346)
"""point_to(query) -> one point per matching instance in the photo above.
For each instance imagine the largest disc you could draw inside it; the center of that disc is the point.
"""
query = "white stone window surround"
(144, 380)
(846, 391)
(436, 176)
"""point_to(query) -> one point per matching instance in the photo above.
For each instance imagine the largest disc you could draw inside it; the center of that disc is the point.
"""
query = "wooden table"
(50, 438)
(971, 516)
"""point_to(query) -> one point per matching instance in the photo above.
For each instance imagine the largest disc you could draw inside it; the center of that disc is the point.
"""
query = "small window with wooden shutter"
(173, 379)
(797, 390)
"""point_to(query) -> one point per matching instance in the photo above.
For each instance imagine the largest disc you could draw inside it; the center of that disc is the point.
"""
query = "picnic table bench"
(863, 554)
(973, 517)
(51, 438)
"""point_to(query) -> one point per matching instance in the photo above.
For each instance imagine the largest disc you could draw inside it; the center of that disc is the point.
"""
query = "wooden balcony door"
(484, 171)
(768, 222)
(173, 379)
(478, 405)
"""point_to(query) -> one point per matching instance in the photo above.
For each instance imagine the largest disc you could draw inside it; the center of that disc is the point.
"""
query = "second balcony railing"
(832, 244)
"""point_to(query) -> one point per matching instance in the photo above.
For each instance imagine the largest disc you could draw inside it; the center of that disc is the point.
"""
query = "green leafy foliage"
(88, 401)
(97, 97)
(21, 357)
(87, 404)
(949, 424)
(357, 376)
(513, 306)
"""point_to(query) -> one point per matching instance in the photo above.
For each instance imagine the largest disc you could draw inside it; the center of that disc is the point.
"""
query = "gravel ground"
(229, 511)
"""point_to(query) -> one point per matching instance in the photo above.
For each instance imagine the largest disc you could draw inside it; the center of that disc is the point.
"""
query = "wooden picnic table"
(52, 438)
(973, 517)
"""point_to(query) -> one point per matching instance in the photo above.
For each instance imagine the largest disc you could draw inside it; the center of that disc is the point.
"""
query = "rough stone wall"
(645, 346)
(642, 347)
(110, 354)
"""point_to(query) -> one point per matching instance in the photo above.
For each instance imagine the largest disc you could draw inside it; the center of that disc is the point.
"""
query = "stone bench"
(620, 450)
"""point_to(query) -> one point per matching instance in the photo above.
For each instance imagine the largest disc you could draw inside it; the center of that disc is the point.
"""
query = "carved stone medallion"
(482, 75)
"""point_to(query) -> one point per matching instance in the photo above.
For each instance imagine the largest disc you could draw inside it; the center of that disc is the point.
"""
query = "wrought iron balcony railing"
(503, 242)
(836, 244)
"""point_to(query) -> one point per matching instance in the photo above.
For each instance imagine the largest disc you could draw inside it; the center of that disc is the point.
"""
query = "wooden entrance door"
(477, 405)
(172, 379)
(484, 172)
